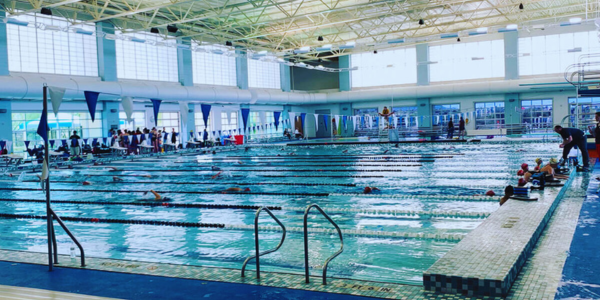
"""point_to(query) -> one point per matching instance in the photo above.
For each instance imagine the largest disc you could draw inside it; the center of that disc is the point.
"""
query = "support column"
(345, 77)
(424, 112)
(346, 110)
(241, 68)
(6, 121)
(3, 48)
(511, 55)
(423, 65)
(107, 53)
(286, 81)
(110, 117)
(190, 125)
(511, 105)
(184, 63)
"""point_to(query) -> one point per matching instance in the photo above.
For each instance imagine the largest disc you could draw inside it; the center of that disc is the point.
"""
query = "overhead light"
(217, 51)
(154, 30)
(448, 35)
(304, 49)
(320, 67)
(482, 30)
(512, 26)
(172, 28)
(82, 31)
(521, 6)
(458, 39)
(576, 49)
(183, 46)
(280, 60)
(349, 45)
(46, 11)
(396, 41)
(374, 51)
(430, 62)
(324, 48)
(320, 39)
(301, 64)
(310, 67)
(14, 21)
(477, 58)
(421, 22)
(229, 44)
(575, 20)
(52, 28)
(136, 40)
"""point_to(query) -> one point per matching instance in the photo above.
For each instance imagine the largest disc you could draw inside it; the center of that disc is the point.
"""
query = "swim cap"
(524, 166)
(367, 190)
(538, 160)
(522, 182)
(520, 173)
(490, 193)
(246, 189)
(86, 183)
(553, 161)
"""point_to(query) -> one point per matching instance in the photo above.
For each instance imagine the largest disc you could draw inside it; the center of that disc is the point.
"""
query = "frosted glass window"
(384, 68)
(270, 119)
(214, 66)
(404, 113)
(144, 61)
(199, 117)
(537, 113)
(139, 121)
(264, 73)
(229, 120)
(47, 51)
(461, 61)
(167, 121)
(550, 54)
(442, 114)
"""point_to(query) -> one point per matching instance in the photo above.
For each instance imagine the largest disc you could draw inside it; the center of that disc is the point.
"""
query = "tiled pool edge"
(439, 280)
(268, 279)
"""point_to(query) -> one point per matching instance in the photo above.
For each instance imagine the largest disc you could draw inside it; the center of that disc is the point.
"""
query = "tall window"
(56, 50)
(229, 120)
(264, 73)
(270, 119)
(214, 66)
(462, 61)
(404, 112)
(25, 125)
(384, 68)
(586, 109)
(537, 113)
(199, 118)
(443, 112)
(138, 59)
(489, 115)
(551, 54)
(168, 120)
(139, 121)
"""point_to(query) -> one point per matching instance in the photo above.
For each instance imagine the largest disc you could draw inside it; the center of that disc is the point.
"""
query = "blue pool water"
(426, 199)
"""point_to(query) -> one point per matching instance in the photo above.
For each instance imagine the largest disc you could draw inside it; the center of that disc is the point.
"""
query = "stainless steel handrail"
(64, 227)
(307, 274)
(257, 256)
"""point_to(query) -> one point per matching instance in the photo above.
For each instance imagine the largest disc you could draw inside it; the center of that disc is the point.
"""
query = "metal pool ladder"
(257, 256)
(307, 274)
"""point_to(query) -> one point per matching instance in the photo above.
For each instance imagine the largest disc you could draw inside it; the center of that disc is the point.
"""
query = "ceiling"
(280, 26)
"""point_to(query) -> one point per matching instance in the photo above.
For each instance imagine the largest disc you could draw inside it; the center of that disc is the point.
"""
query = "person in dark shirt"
(573, 137)
(173, 137)
(450, 129)
(461, 128)
(75, 150)
(595, 132)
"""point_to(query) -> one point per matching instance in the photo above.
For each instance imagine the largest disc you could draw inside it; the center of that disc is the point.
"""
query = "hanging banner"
(325, 118)
(344, 121)
(245, 114)
(85, 141)
(156, 109)
(183, 110)
(27, 144)
(51, 143)
(338, 124)
(205, 113)
(191, 134)
(43, 125)
(302, 119)
(45, 170)
(127, 103)
(316, 122)
(292, 121)
(91, 98)
(2, 145)
(354, 121)
(276, 115)
(94, 142)
(56, 97)
(104, 140)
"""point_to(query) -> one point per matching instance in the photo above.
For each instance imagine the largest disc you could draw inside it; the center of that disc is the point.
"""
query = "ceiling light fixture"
(229, 43)
(154, 30)
(458, 39)
(320, 39)
(421, 22)
(172, 28)
(46, 11)
(521, 6)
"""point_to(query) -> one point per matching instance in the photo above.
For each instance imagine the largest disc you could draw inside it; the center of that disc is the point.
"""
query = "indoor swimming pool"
(431, 196)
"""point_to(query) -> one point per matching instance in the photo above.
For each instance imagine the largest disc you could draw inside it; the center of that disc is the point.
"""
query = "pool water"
(427, 200)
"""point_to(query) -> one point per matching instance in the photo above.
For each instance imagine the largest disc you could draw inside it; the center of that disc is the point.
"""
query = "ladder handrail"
(257, 255)
(64, 227)
(306, 271)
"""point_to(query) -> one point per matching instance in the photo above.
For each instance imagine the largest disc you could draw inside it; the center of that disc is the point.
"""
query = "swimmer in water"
(216, 175)
(215, 168)
(115, 178)
(86, 183)
(157, 196)
(113, 169)
(240, 162)
(386, 151)
(370, 189)
(236, 189)
(345, 151)
(214, 152)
